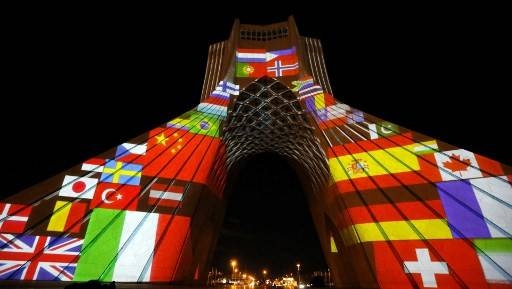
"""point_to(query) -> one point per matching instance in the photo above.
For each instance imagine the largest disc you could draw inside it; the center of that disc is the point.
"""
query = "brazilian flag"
(197, 122)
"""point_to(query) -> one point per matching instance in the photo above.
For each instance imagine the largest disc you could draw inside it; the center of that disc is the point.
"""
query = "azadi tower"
(393, 208)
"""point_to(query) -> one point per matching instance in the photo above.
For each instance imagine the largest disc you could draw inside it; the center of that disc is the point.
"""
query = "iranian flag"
(131, 246)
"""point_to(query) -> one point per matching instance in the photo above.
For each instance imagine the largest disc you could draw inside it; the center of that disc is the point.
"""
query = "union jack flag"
(25, 257)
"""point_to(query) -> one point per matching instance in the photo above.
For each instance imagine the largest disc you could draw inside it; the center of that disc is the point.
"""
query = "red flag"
(443, 264)
(428, 171)
(171, 235)
(165, 195)
(175, 153)
(217, 101)
(67, 216)
(115, 196)
(13, 218)
(421, 210)
(417, 202)
(283, 66)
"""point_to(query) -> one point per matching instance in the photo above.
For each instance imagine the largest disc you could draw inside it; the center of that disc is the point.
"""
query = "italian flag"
(131, 246)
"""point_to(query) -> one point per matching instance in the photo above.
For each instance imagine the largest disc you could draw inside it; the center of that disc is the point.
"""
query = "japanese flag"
(78, 187)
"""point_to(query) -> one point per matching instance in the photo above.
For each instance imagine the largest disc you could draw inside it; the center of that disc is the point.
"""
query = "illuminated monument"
(393, 208)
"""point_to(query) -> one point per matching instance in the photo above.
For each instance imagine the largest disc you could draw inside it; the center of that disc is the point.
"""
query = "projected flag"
(13, 217)
(29, 257)
(138, 242)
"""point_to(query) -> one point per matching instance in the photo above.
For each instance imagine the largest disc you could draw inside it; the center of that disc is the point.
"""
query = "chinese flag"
(175, 153)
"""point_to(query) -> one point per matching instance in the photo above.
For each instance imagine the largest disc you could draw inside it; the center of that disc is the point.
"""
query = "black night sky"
(81, 82)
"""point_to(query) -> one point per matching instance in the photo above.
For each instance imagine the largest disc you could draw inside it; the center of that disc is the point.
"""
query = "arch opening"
(268, 223)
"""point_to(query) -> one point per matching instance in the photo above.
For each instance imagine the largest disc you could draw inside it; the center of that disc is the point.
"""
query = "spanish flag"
(386, 162)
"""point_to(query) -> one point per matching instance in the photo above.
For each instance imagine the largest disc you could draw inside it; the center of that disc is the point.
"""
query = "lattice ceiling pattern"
(267, 117)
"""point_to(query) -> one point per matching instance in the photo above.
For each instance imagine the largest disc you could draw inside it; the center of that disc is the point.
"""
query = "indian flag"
(131, 246)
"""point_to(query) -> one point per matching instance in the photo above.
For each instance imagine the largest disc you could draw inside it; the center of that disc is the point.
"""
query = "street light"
(329, 272)
(298, 275)
(264, 272)
(233, 265)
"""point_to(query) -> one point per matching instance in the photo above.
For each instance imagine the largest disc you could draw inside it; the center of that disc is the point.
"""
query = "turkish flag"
(444, 264)
(115, 196)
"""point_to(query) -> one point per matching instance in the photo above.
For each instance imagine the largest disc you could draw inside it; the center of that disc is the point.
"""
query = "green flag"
(100, 249)
(197, 122)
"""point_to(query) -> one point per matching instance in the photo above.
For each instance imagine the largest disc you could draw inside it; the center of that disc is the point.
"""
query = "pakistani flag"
(383, 129)
(197, 122)
(131, 246)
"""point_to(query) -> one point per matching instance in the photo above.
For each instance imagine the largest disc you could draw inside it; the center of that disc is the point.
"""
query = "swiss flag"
(444, 264)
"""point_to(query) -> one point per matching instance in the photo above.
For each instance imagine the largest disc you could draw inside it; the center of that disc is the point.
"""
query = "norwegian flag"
(13, 218)
(24, 257)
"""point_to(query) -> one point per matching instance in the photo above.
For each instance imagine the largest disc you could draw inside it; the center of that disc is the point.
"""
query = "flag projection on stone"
(116, 196)
(478, 208)
(27, 257)
(67, 216)
(495, 256)
(105, 192)
(197, 123)
(129, 152)
(402, 189)
(393, 208)
(133, 249)
(165, 195)
(13, 217)
(259, 62)
(181, 154)
(395, 214)
(78, 187)
(385, 162)
(326, 111)
(436, 264)
(218, 101)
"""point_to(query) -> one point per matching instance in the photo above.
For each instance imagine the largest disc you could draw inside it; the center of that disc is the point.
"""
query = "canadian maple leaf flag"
(463, 164)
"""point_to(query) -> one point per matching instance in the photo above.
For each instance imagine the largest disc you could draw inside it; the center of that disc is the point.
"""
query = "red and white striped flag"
(164, 195)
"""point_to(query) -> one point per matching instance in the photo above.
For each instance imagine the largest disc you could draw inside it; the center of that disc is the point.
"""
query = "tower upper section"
(276, 50)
